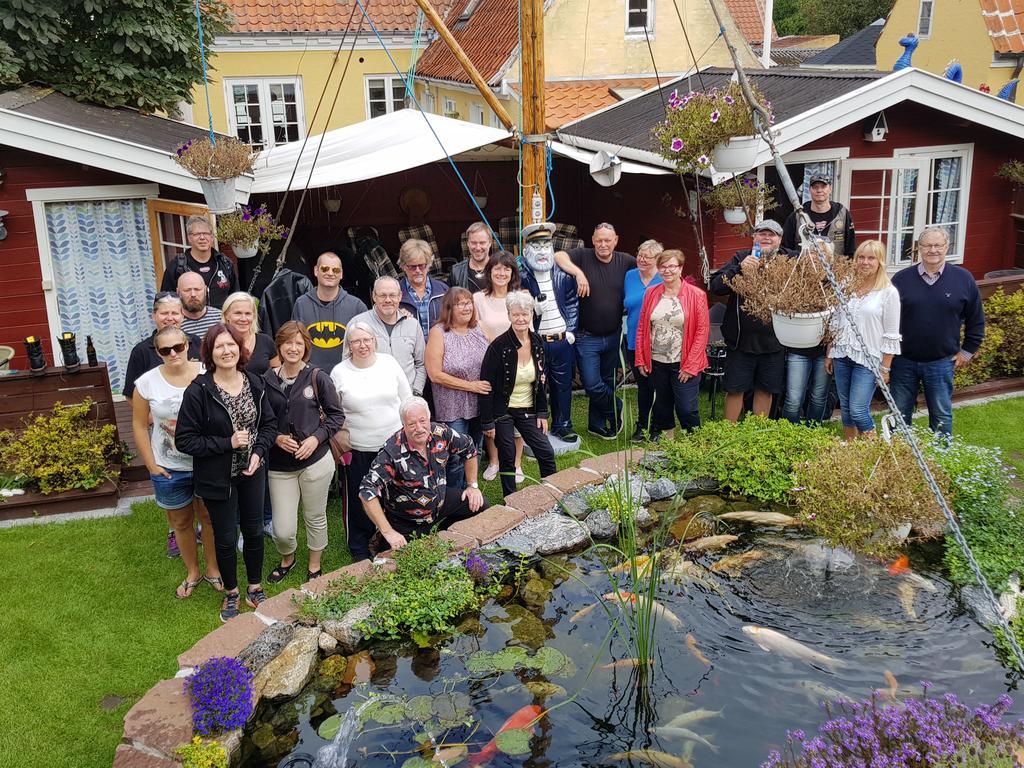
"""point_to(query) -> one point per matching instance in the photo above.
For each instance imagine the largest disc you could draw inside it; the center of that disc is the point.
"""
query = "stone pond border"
(161, 720)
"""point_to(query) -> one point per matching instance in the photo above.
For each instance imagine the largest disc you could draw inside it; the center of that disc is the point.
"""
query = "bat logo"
(326, 334)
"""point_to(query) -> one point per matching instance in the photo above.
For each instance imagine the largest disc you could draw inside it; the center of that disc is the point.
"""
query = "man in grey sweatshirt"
(326, 311)
(398, 333)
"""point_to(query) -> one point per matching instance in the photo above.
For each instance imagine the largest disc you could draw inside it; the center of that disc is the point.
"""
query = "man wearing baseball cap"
(831, 220)
(756, 360)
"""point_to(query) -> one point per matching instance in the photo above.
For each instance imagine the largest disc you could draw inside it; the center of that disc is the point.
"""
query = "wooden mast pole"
(534, 139)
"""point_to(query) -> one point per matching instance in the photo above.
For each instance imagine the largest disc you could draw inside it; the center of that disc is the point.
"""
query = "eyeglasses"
(200, 234)
(416, 267)
(324, 269)
(932, 246)
(464, 305)
(671, 266)
(177, 348)
(360, 342)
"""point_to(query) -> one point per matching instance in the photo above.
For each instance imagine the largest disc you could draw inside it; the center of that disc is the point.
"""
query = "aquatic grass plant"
(919, 733)
(220, 693)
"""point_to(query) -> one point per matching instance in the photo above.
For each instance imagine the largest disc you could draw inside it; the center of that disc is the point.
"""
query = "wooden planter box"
(37, 504)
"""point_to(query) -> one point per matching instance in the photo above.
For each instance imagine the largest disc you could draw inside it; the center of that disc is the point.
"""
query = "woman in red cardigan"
(671, 345)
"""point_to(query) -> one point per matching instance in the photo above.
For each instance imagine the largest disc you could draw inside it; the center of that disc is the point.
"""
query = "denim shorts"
(174, 492)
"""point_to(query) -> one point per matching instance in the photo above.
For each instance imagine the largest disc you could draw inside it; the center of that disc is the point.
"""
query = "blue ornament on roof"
(909, 44)
(954, 71)
(1009, 91)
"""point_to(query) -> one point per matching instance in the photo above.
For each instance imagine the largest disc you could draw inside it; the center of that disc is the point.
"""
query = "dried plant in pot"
(794, 295)
(216, 165)
(249, 230)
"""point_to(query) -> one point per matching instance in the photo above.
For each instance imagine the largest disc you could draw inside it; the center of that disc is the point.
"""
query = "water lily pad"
(514, 741)
(417, 762)
(551, 661)
(389, 714)
(418, 708)
(450, 755)
(480, 662)
(451, 707)
(542, 688)
(506, 659)
(329, 728)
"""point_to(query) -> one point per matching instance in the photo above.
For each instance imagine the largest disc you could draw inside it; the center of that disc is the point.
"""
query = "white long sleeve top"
(877, 316)
(370, 398)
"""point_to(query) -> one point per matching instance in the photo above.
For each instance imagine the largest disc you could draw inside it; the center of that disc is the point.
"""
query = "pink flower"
(704, 161)
(729, 100)
(715, 115)
(677, 145)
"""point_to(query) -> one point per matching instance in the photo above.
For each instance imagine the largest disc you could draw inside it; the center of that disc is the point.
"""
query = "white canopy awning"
(372, 148)
(586, 155)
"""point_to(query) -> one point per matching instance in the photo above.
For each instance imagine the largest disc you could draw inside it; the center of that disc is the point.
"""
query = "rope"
(206, 81)
(811, 241)
(548, 165)
(416, 102)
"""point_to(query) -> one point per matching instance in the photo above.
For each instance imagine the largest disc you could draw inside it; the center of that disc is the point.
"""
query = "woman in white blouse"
(875, 307)
(371, 387)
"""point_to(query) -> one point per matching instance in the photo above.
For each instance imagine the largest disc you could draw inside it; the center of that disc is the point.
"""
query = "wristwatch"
(474, 485)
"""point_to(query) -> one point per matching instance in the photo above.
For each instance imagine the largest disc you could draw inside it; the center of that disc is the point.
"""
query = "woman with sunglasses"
(226, 423)
(239, 312)
(157, 398)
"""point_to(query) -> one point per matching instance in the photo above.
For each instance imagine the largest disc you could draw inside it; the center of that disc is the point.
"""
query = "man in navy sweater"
(936, 300)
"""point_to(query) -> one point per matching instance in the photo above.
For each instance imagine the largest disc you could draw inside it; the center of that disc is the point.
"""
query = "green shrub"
(202, 754)
(424, 594)
(992, 522)
(61, 451)
(1002, 351)
(754, 457)
(854, 493)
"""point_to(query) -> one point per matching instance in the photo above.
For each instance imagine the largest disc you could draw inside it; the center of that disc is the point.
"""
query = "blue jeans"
(856, 386)
(456, 472)
(673, 398)
(559, 357)
(598, 357)
(803, 374)
(905, 381)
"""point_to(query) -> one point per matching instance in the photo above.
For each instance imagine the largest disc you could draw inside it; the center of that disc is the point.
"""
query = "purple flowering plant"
(928, 732)
(226, 159)
(248, 226)
(220, 692)
(747, 193)
(696, 122)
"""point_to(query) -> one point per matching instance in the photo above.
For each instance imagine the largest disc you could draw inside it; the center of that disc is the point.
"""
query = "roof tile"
(566, 100)
(321, 16)
(1005, 22)
(749, 18)
(489, 38)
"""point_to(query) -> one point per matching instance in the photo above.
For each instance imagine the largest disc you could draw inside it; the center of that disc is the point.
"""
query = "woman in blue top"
(637, 282)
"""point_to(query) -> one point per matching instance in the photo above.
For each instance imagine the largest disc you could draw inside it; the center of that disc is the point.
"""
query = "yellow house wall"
(604, 50)
(313, 68)
(463, 101)
(958, 31)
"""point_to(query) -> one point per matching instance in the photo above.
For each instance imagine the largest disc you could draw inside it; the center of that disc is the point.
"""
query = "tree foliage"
(118, 53)
(825, 17)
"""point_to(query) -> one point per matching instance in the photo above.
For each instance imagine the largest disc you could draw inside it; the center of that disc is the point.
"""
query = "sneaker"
(229, 608)
(172, 546)
(568, 436)
(254, 597)
(638, 436)
(491, 472)
(520, 476)
(268, 529)
(603, 432)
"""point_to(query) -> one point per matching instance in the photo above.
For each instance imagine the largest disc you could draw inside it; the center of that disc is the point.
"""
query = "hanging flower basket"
(219, 194)
(247, 251)
(735, 155)
(801, 330)
(734, 215)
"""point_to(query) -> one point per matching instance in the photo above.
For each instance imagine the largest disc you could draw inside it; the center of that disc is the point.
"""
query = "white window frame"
(931, 18)
(389, 89)
(496, 121)
(640, 32)
(450, 107)
(476, 113)
(966, 153)
(266, 116)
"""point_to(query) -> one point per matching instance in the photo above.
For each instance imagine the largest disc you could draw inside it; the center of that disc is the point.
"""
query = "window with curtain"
(946, 192)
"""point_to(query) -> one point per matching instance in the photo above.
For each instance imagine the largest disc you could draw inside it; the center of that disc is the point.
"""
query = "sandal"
(229, 608)
(277, 575)
(216, 582)
(254, 597)
(310, 575)
(184, 589)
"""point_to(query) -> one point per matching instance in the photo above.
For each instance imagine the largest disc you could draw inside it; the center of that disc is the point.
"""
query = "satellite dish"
(605, 169)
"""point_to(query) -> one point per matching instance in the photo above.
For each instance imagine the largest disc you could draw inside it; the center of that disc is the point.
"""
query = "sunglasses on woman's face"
(165, 351)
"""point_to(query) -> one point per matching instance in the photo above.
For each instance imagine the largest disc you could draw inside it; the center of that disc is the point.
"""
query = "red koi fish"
(625, 597)
(520, 719)
(901, 565)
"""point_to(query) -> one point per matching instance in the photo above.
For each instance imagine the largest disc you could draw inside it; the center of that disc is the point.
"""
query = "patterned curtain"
(103, 275)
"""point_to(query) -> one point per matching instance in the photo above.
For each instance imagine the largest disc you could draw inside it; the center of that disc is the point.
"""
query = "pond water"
(875, 626)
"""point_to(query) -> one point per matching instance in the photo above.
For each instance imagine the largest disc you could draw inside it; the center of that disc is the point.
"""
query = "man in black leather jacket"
(557, 307)
(469, 273)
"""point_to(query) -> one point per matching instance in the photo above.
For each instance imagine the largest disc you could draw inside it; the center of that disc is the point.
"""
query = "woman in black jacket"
(227, 424)
(514, 365)
(301, 463)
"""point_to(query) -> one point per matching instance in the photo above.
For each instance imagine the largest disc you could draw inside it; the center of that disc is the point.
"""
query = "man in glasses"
(202, 258)
(326, 311)
(398, 333)
(144, 357)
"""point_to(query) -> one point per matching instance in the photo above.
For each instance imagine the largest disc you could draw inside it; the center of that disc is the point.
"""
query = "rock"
(546, 534)
(645, 518)
(286, 675)
(263, 736)
(698, 486)
(331, 670)
(655, 460)
(328, 643)
(344, 630)
(704, 505)
(556, 569)
(544, 688)
(661, 488)
(266, 647)
(574, 505)
(527, 628)
(975, 600)
(471, 626)
(536, 592)
(601, 525)
(1008, 599)
(637, 488)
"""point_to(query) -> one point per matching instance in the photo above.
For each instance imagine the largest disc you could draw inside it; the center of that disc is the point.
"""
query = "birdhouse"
(877, 130)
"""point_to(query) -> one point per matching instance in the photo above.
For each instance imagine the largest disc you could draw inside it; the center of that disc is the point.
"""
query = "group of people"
(918, 327)
(236, 427)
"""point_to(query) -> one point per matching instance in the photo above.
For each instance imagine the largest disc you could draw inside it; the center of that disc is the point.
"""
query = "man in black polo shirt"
(600, 274)
(201, 257)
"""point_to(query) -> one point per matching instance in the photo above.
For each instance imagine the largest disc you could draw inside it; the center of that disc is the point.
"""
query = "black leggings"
(504, 439)
(244, 504)
(359, 529)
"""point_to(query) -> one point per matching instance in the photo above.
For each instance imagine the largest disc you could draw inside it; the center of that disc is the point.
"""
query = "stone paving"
(161, 720)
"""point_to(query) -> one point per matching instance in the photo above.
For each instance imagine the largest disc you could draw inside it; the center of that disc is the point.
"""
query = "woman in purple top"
(455, 352)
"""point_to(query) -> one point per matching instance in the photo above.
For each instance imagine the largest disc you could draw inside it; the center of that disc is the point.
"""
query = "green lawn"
(91, 623)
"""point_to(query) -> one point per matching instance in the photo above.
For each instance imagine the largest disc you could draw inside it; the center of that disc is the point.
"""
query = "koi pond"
(753, 635)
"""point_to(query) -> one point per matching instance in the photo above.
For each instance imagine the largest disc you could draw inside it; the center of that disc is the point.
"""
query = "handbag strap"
(316, 396)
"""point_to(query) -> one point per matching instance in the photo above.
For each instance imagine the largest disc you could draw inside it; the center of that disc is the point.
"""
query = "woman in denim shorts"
(157, 398)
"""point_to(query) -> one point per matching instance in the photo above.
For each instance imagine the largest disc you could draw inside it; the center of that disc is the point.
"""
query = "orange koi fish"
(901, 565)
(520, 719)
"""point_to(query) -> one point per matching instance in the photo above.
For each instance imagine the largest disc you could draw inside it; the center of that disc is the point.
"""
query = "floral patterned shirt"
(408, 485)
